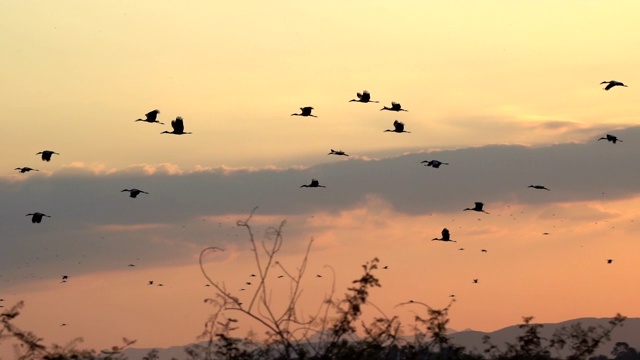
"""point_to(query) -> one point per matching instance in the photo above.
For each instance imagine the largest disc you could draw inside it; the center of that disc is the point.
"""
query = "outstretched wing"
(152, 115)
(177, 125)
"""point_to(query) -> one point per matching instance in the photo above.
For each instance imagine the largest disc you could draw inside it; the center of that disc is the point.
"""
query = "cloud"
(186, 210)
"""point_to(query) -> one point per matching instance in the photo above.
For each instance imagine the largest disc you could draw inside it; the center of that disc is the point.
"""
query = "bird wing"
(152, 115)
(177, 125)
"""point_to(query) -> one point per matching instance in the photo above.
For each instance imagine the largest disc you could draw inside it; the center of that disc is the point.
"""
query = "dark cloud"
(91, 216)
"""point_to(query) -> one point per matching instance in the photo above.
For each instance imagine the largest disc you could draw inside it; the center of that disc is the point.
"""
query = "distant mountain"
(629, 332)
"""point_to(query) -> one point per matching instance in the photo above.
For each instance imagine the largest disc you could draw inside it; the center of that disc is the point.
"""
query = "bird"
(339, 152)
(483, 250)
(433, 163)
(152, 117)
(46, 154)
(385, 267)
(25, 169)
(445, 236)
(318, 275)
(609, 261)
(398, 127)
(475, 281)
(131, 265)
(134, 192)
(305, 111)
(248, 283)
(539, 187)
(612, 138)
(611, 84)
(65, 278)
(150, 282)
(314, 183)
(394, 107)
(178, 127)
(478, 207)
(365, 97)
(36, 217)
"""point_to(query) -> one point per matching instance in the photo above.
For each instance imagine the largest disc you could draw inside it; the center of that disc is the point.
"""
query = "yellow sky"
(76, 74)
(83, 71)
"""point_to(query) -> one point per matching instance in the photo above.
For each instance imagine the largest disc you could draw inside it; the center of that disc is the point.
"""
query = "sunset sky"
(507, 93)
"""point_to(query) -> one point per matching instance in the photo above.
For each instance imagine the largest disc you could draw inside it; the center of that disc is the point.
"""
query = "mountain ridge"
(629, 332)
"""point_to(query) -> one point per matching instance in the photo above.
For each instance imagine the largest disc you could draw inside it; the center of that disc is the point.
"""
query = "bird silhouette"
(611, 138)
(478, 207)
(339, 152)
(151, 117)
(305, 111)
(65, 278)
(394, 107)
(178, 127)
(398, 127)
(134, 192)
(475, 281)
(433, 163)
(611, 84)
(365, 97)
(539, 187)
(26, 169)
(150, 282)
(609, 261)
(46, 154)
(36, 217)
(314, 183)
(445, 236)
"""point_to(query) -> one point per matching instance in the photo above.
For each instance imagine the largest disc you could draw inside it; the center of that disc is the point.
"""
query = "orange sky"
(475, 77)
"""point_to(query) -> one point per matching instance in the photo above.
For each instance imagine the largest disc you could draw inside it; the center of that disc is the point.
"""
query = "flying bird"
(398, 127)
(445, 236)
(609, 261)
(433, 163)
(305, 111)
(36, 217)
(365, 97)
(394, 107)
(539, 187)
(475, 281)
(178, 127)
(134, 192)
(314, 183)
(611, 84)
(25, 169)
(339, 152)
(65, 278)
(150, 282)
(478, 207)
(152, 117)
(612, 138)
(46, 154)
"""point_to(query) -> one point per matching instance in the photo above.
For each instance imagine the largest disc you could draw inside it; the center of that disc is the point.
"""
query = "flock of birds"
(178, 128)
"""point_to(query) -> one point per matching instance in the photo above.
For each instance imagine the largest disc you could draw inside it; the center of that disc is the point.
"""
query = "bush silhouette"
(335, 331)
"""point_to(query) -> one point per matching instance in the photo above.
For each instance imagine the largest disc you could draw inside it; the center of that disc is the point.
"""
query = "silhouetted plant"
(30, 346)
(583, 342)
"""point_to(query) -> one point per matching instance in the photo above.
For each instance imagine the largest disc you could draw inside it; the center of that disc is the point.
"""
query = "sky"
(507, 93)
